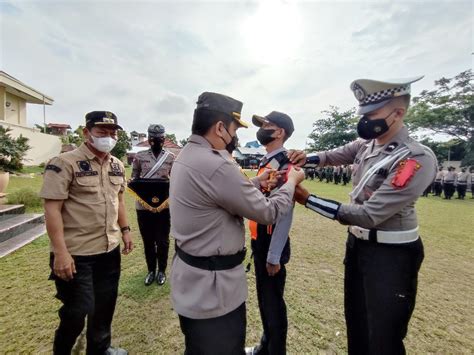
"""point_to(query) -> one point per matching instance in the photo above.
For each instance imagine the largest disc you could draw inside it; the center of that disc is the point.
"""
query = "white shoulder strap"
(157, 165)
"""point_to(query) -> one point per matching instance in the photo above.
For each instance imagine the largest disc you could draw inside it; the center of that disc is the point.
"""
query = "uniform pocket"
(116, 182)
(88, 181)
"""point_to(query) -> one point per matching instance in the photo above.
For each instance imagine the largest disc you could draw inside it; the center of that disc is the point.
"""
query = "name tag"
(115, 173)
(86, 173)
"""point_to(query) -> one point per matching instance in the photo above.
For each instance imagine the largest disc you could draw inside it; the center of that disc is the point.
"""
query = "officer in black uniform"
(271, 243)
(154, 163)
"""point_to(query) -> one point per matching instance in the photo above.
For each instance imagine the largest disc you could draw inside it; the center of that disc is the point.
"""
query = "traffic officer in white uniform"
(384, 251)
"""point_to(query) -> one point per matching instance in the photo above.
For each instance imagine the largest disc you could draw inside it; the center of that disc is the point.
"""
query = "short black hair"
(404, 100)
(204, 119)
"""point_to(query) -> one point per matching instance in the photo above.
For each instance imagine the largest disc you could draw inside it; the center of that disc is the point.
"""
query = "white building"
(14, 95)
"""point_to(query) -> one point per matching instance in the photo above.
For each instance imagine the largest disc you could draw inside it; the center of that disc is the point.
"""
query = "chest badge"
(84, 165)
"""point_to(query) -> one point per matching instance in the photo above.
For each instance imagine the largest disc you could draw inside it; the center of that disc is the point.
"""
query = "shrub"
(25, 196)
(12, 150)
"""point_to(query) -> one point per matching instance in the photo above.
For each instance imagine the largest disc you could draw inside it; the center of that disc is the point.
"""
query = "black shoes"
(115, 351)
(149, 278)
(161, 278)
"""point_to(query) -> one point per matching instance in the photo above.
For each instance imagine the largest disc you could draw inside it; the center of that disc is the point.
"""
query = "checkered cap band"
(383, 95)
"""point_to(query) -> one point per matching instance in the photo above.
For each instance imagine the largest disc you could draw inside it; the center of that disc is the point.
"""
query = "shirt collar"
(273, 153)
(398, 140)
(197, 139)
(87, 152)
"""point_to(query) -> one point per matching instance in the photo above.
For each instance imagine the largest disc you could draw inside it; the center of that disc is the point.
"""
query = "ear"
(86, 132)
(282, 133)
(218, 128)
(399, 113)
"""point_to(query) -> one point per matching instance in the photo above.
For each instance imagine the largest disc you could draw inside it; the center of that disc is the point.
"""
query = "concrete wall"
(43, 146)
(2, 103)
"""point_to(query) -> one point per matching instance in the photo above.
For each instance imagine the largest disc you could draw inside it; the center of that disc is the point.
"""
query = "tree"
(12, 150)
(76, 137)
(123, 144)
(333, 130)
(454, 149)
(171, 137)
(43, 129)
(447, 109)
(183, 142)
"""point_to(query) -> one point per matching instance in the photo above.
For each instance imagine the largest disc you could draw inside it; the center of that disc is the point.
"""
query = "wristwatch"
(125, 229)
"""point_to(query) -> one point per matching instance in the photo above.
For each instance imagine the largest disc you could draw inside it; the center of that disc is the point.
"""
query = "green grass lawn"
(145, 322)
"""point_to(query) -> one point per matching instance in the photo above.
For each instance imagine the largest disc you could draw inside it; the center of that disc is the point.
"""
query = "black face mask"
(264, 136)
(372, 128)
(234, 142)
(157, 145)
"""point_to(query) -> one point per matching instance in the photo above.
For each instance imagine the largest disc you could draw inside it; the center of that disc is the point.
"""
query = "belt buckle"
(373, 235)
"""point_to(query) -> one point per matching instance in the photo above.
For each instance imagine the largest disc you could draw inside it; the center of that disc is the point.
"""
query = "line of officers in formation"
(210, 196)
(337, 174)
(446, 182)
(450, 181)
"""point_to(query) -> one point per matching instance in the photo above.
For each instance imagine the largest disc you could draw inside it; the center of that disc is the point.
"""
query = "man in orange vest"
(271, 243)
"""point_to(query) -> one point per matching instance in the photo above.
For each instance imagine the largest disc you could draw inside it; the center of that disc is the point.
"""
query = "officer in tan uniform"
(384, 251)
(209, 196)
(85, 220)
(154, 226)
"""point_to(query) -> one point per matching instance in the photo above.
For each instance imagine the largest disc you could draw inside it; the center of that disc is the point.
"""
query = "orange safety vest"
(253, 224)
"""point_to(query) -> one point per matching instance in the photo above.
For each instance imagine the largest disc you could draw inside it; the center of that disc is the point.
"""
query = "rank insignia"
(53, 168)
(405, 171)
(391, 147)
(115, 166)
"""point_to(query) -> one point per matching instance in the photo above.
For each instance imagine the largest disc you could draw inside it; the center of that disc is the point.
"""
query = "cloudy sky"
(148, 61)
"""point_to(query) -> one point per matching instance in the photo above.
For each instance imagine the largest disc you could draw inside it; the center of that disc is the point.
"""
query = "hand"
(273, 269)
(64, 266)
(269, 178)
(297, 157)
(301, 195)
(296, 175)
(127, 243)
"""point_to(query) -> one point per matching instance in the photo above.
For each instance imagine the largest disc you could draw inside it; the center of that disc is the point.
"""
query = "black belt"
(212, 263)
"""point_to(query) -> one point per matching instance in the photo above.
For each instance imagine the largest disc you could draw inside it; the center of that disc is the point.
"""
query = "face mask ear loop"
(393, 122)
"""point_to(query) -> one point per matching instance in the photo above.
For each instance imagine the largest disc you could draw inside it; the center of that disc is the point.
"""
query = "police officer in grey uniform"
(472, 181)
(384, 251)
(154, 163)
(463, 179)
(449, 183)
(438, 184)
(209, 196)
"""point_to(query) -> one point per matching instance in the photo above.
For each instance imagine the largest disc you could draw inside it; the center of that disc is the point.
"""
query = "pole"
(44, 115)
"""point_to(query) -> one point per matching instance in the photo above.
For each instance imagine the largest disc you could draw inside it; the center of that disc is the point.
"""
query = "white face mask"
(103, 144)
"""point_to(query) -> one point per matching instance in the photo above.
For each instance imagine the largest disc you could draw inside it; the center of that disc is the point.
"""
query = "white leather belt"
(386, 237)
